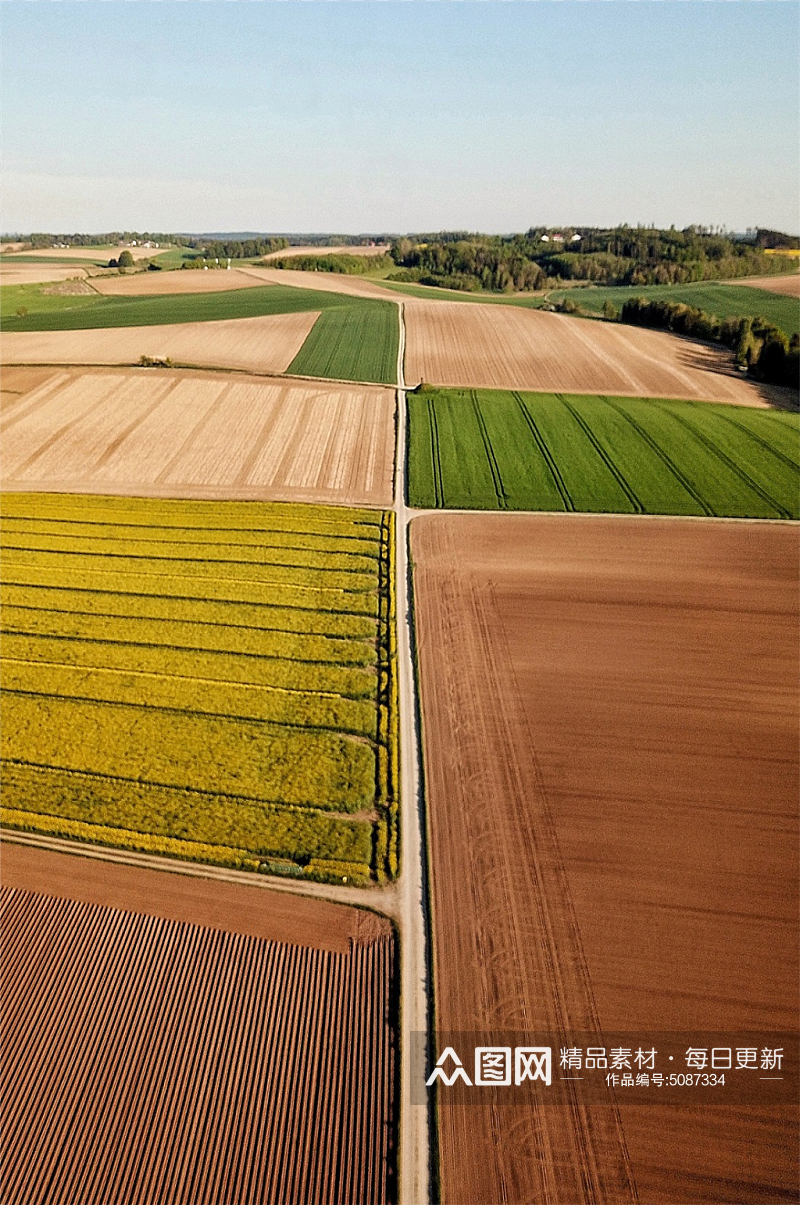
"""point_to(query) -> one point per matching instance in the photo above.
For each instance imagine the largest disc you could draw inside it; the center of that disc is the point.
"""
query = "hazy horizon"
(396, 117)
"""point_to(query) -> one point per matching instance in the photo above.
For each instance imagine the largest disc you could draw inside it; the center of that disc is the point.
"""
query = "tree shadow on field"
(702, 357)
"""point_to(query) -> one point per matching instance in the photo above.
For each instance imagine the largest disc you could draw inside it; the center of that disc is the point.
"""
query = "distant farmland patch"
(487, 449)
(358, 342)
(724, 300)
(211, 681)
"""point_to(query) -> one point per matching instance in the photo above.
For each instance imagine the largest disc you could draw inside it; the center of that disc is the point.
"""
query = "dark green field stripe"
(715, 450)
(546, 455)
(610, 464)
(438, 487)
(763, 443)
(494, 467)
(663, 456)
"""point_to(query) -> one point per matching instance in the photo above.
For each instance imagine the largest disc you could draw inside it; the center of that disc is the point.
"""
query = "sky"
(354, 116)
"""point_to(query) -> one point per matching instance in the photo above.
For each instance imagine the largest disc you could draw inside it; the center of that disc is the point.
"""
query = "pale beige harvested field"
(326, 282)
(789, 286)
(267, 344)
(609, 729)
(99, 253)
(290, 252)
(34, 274)
(199, 435)
(506, 347)
(189, 281)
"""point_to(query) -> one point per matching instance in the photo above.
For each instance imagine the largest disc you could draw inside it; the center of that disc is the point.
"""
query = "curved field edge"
(506, 450)
(231, 768)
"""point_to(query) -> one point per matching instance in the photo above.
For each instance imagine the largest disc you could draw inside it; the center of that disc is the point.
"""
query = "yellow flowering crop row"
(201, 752)
(226, 617)
(263, 830)
(270, 672)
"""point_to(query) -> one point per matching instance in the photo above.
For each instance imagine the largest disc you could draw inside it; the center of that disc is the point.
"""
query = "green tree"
(125, 259)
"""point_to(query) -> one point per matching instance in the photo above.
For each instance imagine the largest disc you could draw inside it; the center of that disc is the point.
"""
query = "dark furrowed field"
(497, 450)
(148, 1058)
(212, 681)
(354, 338)
(724, 300)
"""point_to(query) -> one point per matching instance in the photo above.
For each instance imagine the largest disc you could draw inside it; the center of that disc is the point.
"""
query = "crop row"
(150, 567)
(159, 537)
(497, 450)
(357, 344)
(275, 653)
(186, 516)
(258, 830)
(210, 558)
(201, 752)
(284, 594)
(223, 624)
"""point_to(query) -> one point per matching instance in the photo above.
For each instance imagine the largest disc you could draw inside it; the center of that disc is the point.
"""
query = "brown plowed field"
(149, 1061)
(611, 764)
(267, 344)
(160, 283)
(165, 433)
(789, 286)
(506, 347)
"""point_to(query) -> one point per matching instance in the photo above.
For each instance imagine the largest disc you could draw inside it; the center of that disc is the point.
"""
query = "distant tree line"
(249, 248)
(348, 265)
(759, 346)
(541, 259)
(39, 241)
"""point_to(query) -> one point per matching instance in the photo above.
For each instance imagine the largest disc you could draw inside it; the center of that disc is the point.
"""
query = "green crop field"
(35, 298)
(202, 679)
(496, 450)
(354, 339)
(724, 300)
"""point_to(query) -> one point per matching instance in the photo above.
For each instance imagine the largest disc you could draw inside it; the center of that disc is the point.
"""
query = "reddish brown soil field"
(190, 434)
(611, 763)
(506, 347)
(150, 1060)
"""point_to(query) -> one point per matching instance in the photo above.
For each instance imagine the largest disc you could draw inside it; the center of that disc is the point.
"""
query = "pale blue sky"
(299, 115)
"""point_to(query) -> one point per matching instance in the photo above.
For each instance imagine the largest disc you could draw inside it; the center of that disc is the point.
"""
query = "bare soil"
(788, 285)
(611, 763)
(290, 252)
(152, 1058)
(173, 433)
(33, 274)
(507, 347)
(267, 344)
(215, 280)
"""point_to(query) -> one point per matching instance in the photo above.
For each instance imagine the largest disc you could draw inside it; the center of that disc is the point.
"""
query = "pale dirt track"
(197, 435)
(152, 1058)
(215, 280)
(506, 347)
(608, 713)
(266, 344)
(789, 286)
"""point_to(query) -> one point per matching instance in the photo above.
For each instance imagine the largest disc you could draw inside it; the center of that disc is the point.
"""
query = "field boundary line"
(703, 439)
(546, 454)
(601, 452)
(382, 900)
(665, 459)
